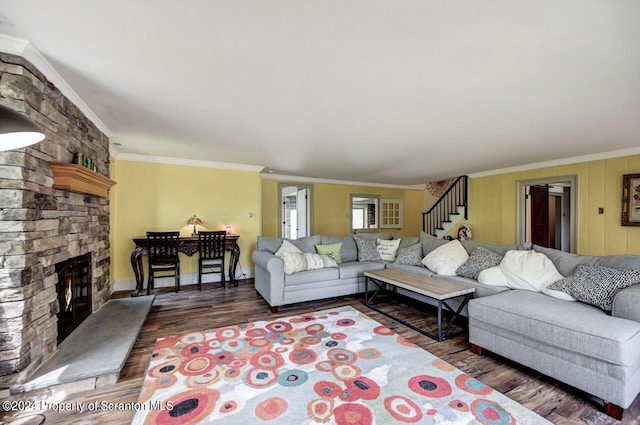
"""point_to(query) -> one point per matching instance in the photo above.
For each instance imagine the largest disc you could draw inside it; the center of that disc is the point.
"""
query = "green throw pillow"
(331, 250)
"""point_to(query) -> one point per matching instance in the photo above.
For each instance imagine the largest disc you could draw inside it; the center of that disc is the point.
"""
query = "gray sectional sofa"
(279, 289)
(574, 342)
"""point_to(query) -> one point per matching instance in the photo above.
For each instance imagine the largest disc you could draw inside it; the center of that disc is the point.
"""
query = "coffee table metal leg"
(440, 335)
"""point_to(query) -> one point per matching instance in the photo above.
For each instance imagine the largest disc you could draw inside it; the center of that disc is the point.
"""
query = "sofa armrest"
(626, 303)
(269, 277)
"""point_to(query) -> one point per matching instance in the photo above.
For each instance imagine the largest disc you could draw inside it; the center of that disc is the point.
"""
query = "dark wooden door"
(540, 215)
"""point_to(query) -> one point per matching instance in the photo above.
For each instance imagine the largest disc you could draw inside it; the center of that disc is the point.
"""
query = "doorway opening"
(296, 206)
(547, 212)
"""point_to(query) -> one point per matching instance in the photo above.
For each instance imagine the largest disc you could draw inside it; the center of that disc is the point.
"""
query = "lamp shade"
(17, 130)
(195, 221)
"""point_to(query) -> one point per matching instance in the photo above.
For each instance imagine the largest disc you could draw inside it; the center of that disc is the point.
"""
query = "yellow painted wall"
(162, 197)
(331, 205)
(492, 205)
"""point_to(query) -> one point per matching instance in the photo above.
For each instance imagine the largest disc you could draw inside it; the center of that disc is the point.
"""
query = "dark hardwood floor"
(192, 310)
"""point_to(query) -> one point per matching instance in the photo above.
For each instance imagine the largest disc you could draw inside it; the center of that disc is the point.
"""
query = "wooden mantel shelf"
(76, 178)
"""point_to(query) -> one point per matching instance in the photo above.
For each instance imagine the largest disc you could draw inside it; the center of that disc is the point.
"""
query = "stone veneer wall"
(41, 226)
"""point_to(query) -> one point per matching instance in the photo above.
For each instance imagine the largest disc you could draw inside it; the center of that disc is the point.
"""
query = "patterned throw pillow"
(411, 255)
(597, 285)
(331, 250)
(286, 246)
(300, 261)
(479, 260)
(367, 250)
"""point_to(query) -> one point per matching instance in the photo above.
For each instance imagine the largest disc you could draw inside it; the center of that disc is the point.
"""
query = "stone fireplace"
(42, 228)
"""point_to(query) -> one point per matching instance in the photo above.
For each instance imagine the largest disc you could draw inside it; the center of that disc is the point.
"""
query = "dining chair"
(162, 248)
(211, 245)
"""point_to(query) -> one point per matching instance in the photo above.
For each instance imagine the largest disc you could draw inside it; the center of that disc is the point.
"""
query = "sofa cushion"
(331, 250)
(387, 249)
(627, 303)
(348, 251)
(295, 262)
(565, 262)
(421, 269)
(446, 259)
(356, 269)
(622, 261)
(411, 255)
(386, 235)
(480, 259)
(597, 285)
(286, 246)
(471, 245)
(430, 242)
(266, 243)
(481, 289)
(406, 241)
(529, 270)
(319, 276)
(576, 327)
(367, 250)
(308, 243)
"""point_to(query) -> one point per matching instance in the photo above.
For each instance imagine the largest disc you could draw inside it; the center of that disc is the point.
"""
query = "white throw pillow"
(493, 276)
(446, 259)
(286, 247)
(388, 249)
(529, 270)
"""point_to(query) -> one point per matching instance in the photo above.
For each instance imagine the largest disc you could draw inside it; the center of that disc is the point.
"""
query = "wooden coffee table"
(436, 288)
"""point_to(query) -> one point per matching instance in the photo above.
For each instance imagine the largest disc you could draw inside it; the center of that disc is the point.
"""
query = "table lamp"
(196, 222)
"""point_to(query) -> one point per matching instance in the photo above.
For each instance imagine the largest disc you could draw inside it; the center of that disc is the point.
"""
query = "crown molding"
(22, 47)
(301, 179)
(189, 162)
(114, 152)
(559, 162)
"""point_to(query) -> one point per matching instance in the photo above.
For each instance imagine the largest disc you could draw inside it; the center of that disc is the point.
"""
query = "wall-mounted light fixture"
(17, 130)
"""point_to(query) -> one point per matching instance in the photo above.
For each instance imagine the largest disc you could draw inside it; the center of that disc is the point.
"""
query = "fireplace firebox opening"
(74, 293)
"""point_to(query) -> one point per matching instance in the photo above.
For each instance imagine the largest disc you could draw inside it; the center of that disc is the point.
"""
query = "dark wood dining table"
(187, 245)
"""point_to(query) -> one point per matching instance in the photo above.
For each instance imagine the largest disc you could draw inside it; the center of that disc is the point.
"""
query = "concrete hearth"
(95, 353)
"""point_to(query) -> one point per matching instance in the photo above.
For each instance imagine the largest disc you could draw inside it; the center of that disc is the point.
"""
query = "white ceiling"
(398, 92)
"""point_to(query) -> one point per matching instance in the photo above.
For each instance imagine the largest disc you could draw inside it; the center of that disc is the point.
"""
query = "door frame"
(521, 212)
(299, 186)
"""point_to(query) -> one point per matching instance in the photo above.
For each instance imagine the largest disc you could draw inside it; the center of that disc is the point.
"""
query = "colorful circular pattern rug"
(334, 366)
